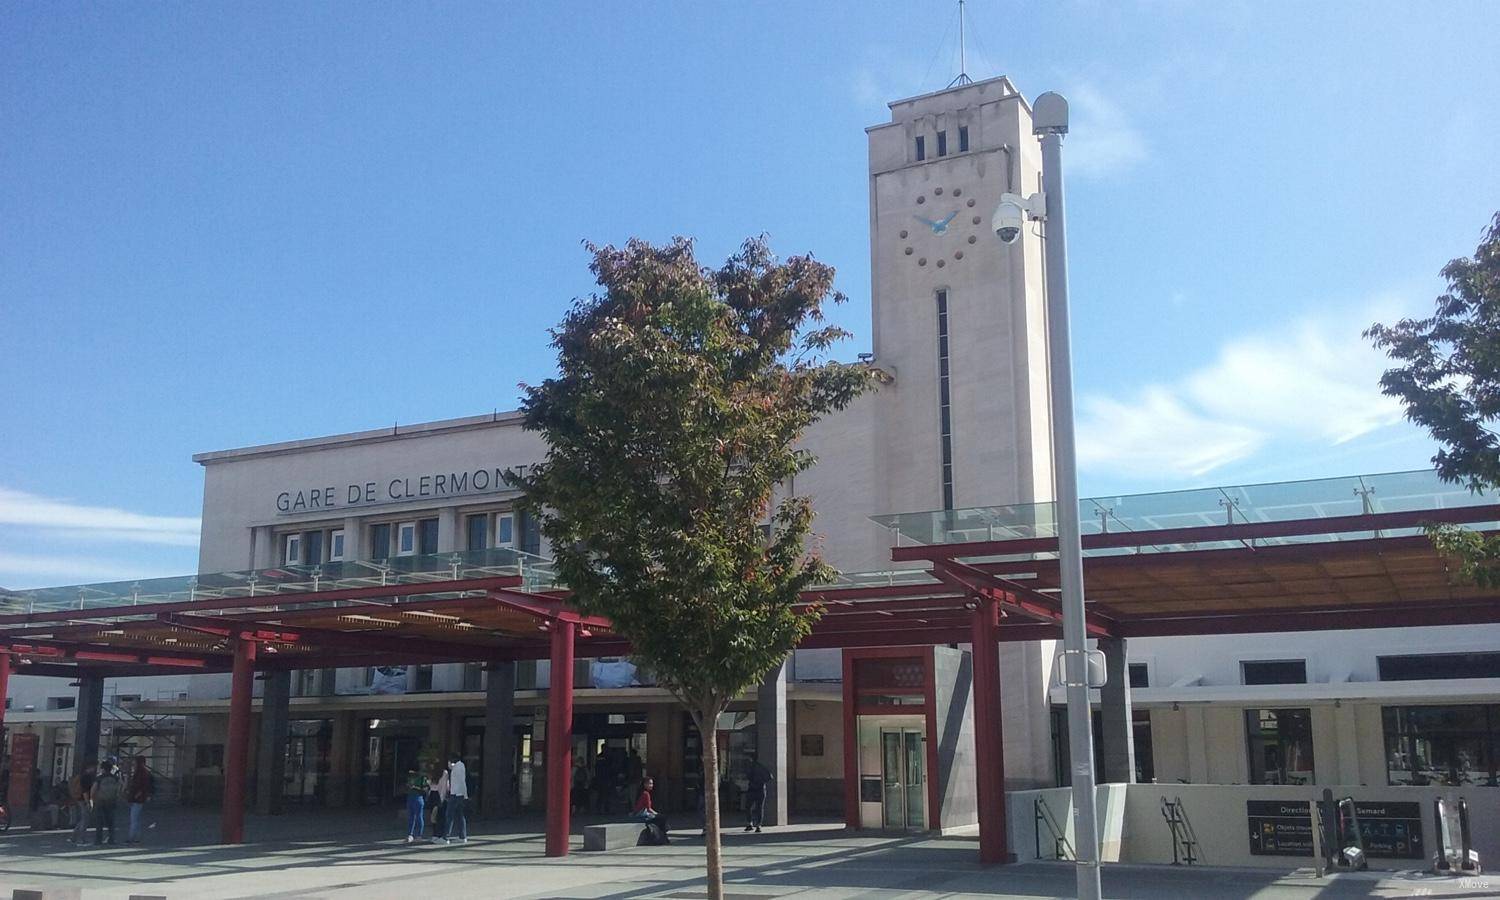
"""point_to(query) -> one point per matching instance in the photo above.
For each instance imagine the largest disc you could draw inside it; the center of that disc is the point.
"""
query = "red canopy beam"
(1012, 596)
(378, 641)
(110, 653)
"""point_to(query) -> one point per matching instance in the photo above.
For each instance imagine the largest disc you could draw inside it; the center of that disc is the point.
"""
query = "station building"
(958, 443)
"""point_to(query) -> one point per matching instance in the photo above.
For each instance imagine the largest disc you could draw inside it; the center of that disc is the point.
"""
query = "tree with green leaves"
(1448, 377)
(681, 396)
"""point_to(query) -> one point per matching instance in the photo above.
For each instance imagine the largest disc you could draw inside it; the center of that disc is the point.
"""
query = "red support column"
(560, 738)
(989, 745)
(237, 747)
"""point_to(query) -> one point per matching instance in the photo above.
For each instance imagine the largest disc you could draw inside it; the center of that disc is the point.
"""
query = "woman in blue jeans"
(416, 805)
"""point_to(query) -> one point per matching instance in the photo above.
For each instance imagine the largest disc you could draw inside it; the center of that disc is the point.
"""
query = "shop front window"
(1280, 745)
(1449, 745)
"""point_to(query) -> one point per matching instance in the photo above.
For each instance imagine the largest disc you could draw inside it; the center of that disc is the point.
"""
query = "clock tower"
(959, 316)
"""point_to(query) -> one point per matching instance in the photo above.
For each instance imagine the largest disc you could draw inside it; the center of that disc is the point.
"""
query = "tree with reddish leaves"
(682, 393)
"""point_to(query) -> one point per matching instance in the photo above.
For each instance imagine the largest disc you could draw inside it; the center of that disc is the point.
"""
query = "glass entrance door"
(903, 756)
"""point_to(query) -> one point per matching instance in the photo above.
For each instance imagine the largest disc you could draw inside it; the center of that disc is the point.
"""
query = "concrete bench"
(612, 836)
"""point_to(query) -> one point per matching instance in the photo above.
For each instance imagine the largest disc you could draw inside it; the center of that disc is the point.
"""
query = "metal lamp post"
(1050, 122)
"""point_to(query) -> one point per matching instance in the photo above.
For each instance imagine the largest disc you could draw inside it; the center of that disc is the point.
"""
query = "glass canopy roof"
(1272, 502)
(428, 569)
(1281, 501)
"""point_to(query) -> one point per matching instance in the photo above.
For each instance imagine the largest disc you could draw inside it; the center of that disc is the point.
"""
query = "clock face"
(945, 226)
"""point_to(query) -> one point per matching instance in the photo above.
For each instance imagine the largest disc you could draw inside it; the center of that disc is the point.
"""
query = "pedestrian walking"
(755, 794)
(106, 797)
(81, 789)
(416, 804)
(140, 790)
(440, 810)
(458, 798)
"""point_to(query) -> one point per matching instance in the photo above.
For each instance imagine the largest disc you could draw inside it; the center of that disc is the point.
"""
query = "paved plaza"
(349, 855)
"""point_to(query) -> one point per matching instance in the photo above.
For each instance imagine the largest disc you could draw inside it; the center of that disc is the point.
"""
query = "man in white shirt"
(458, 797)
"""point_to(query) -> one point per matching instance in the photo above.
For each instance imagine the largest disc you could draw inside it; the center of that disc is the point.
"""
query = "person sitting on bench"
(646, 812)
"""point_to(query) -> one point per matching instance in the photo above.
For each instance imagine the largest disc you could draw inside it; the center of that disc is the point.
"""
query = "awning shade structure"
(1325, 555)
(1312, 555)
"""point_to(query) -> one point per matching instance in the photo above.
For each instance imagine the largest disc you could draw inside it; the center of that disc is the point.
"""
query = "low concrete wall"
(1133, 829)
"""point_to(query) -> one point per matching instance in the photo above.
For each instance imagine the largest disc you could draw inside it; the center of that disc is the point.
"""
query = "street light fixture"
(1049, 120)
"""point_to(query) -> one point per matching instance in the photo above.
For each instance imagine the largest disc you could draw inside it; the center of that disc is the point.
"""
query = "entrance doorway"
(903, 754)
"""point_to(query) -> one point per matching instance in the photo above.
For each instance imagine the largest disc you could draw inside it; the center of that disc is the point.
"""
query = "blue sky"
(224, 224)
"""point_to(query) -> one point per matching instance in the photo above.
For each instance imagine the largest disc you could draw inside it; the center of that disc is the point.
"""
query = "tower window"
(942, 143)
(921, 147)
(945, 410)
(963, 139)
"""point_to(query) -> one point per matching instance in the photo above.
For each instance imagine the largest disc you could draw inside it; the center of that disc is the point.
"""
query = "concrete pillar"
(342, 761)
(88, 717)
(1346, 744)
(497, 769)
(560, 737)
(449, 539)
(989, 737)
(237, 746)
(1196, 734)
(1118, 738)
(771, 741)
(275, 722)
(264, 553)
(355, 542)
(659, 764)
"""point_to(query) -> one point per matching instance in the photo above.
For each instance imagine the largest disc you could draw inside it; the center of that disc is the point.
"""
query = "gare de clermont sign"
(403, 488)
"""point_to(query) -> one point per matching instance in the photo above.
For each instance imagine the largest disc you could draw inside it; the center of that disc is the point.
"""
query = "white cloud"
(1312, 384)
(1156, 431)
(19, 508)
(1101, 139)
(18, 569)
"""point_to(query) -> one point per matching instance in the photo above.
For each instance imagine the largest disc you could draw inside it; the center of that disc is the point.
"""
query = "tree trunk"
(708, 723)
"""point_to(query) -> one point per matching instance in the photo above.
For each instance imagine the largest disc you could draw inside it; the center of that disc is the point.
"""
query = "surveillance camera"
(1011, 215)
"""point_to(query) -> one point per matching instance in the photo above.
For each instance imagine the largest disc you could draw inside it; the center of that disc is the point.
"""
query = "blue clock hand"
(945, 222)
(928, 222)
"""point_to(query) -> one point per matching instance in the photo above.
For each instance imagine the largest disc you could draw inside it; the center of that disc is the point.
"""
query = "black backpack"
(108, 788)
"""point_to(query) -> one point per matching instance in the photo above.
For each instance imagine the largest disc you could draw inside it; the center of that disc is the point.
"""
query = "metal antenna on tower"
(963, 68)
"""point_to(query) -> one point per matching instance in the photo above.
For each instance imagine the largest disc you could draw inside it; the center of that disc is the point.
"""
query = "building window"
(1274, 671)
(422, 680)
(61, 702)
(963, 139)
(380, 541)
(528, 534)
(208, 756)
(1145, 758)
(406, 538)
(336, 545)
(1140, 676)
(473, 676)
(1280, 745)
(945, 408)
(505, 530)
(1450, 745)
(427, 536)
(1435, 666)
(942, 143)
(921, 148)
(312, 547)
(477, 533)
(291, 550)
